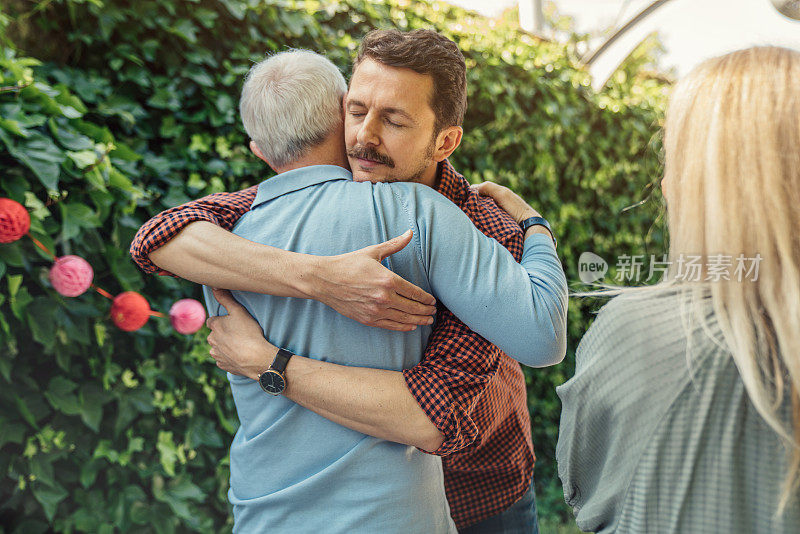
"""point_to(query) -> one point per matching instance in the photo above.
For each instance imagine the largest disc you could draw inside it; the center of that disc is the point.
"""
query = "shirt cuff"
(156, 233)
(536, 239)
(458, 429)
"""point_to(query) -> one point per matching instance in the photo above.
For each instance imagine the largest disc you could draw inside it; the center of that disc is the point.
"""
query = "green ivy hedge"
(130, 108)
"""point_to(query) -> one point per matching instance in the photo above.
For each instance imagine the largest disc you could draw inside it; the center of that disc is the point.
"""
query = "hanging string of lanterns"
(72, 276)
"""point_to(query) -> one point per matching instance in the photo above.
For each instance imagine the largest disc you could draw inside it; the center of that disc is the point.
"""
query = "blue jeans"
(520, 518)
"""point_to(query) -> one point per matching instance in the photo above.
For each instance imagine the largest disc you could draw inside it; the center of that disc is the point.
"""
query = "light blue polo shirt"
(295, 471)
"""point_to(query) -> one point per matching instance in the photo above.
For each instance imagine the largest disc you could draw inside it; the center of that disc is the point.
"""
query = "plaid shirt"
(472, 391)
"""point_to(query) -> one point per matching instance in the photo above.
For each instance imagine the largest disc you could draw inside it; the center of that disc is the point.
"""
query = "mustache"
(364, 152)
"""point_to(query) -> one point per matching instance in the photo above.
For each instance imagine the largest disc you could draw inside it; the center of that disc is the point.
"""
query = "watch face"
(272, 382)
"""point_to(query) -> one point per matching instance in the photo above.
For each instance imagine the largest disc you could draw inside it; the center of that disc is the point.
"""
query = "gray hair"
(290, 102)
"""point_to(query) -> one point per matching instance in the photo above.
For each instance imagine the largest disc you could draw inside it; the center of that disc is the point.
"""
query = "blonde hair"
(732, 185)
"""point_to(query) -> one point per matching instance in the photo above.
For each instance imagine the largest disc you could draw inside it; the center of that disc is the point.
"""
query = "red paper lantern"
(187, 316)
(130, 311)
(71, 275)
(14, 220)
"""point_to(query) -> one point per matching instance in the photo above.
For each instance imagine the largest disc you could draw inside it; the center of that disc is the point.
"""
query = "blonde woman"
(683, 414)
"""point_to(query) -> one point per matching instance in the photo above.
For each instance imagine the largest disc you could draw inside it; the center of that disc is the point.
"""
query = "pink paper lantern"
(130, 311)
(71, 275)
(14, 220)
(187, 316)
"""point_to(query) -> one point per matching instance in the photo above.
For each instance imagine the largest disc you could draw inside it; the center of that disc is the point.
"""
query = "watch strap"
(281, 360)
(541, 221)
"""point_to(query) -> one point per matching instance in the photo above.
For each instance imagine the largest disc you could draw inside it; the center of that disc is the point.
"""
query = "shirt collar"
(297, 179)
(451, 184)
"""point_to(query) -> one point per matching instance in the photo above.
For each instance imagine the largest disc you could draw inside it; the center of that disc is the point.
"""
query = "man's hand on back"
(358, 286)
(507, 200)
(237, 341)
(513, 204)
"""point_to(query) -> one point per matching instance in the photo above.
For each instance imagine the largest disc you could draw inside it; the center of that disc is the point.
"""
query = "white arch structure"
(694, 30)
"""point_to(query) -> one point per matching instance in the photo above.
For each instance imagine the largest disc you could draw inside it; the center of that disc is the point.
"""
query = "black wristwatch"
(541, 221)
(273, 381)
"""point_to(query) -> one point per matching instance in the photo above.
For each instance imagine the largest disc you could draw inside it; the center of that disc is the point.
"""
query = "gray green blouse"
(653, 442)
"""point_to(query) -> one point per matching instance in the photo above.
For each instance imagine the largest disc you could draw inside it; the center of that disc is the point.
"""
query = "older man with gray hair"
(290, 103)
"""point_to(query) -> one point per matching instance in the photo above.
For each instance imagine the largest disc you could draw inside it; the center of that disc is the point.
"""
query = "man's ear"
(446, 142)
(257, 151)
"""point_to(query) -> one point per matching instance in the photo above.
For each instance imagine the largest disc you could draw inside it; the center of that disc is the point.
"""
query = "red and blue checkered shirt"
(472, 391)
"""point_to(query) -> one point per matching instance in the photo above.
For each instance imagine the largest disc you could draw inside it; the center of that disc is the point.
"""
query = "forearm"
(207, 254)
(376, 402)
(537, 230)
(549, 297)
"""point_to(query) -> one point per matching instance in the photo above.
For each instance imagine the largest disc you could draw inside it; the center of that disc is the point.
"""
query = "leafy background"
(113, 110)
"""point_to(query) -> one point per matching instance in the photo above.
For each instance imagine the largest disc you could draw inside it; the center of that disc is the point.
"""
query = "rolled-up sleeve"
(456, 369)
(221, 209)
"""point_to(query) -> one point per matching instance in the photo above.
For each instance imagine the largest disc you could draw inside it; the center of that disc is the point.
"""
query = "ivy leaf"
(41, 467)
(83, 158)
(11, 254)
(41, 319)
(49, 497)
(59, 395)
(12, 433)
(68, 137)
(176, 495)
(88, 472)
(70, 112)
(236, 9)
(19, 302)
(124, 153)
(184, 28)
(167, 451)
(183, 488)
(13, 127)
(199, 76)
(40, 155)
(25, 412)
(100, 332)
(68, 100)
(175, 197)
(203, 431)
(140, 513)
(105, 450)
(165, 98)
(92, 399)
(75, 216)
(32, 407)
(126, 272)
(14, 283)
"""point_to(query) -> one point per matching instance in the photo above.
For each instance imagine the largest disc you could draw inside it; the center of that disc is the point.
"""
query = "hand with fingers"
(237, 341)
(358, 286)
(507, 200)
(516, 206)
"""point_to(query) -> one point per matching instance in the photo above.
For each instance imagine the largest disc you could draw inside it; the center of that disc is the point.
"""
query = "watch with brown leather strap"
(273, 380)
